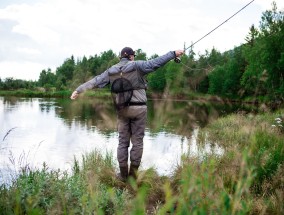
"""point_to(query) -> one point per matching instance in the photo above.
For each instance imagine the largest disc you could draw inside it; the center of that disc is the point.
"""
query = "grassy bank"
(247, 179)
(51, 94)
(36, 93)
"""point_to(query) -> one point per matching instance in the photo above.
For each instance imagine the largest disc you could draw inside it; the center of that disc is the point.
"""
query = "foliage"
(264, 55)
(14, 84)
(225, 79)
(46, 79)
(65, 73)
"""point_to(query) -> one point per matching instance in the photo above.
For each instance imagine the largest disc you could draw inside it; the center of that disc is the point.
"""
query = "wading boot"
(122, 176)
(133, 171)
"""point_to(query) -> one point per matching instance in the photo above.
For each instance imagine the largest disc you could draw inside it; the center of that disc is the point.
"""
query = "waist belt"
(136, 103)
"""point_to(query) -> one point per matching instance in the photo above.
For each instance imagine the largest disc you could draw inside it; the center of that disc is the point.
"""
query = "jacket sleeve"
(154, 64)
(98, 81)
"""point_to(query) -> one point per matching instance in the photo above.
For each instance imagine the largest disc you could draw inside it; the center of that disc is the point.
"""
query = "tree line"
(253, 69)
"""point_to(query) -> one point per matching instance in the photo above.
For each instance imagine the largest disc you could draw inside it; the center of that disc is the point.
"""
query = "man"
(128, 85)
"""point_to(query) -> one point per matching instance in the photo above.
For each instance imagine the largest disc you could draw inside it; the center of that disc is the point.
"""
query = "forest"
(254, 69)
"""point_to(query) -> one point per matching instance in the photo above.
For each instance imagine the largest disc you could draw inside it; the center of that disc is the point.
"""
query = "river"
(54, 131)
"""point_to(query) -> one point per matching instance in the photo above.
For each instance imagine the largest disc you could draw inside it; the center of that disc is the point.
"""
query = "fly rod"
(178, 60)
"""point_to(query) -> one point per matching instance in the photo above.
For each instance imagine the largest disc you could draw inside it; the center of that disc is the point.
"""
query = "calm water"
(54, 131)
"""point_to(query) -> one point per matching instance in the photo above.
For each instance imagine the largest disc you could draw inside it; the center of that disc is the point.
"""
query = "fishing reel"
(177, 60)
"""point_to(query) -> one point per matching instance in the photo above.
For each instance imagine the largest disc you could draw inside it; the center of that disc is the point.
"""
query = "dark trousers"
(131, 127)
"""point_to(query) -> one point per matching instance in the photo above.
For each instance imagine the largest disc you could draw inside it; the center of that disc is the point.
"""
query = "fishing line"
(196, 69)
(207, 68)
(178, 60)
(202, 68)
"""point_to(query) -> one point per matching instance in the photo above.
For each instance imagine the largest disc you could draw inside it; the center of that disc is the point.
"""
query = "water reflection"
(56, 130)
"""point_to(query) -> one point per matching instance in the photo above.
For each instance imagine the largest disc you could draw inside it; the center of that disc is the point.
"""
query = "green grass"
(52, 94)
(36, 93)
(247, 179)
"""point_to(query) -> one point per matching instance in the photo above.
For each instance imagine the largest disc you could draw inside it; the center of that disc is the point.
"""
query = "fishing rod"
(178, 60)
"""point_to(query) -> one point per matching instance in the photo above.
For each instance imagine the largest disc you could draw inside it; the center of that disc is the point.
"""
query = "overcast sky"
(41, 34)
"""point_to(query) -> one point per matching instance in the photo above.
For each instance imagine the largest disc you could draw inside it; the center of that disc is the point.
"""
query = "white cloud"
(46, 32)
(28, 51)
(20, 70)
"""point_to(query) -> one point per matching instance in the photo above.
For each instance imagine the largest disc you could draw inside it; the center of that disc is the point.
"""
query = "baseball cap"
(126, 51)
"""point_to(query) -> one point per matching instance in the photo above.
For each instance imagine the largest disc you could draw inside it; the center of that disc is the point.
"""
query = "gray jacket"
(125, 65)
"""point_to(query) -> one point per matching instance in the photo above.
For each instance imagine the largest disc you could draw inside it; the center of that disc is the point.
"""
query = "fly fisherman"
(128, 85)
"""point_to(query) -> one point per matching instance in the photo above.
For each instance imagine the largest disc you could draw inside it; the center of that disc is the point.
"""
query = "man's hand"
(74, 95)
(179, 53)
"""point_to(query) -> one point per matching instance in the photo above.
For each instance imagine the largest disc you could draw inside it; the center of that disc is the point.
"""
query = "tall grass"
(247, 179)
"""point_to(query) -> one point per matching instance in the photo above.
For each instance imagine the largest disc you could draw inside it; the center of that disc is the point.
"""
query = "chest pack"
(123, 85)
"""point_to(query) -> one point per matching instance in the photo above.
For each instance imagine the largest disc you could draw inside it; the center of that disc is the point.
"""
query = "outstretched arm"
(98, 81)
(152, 65)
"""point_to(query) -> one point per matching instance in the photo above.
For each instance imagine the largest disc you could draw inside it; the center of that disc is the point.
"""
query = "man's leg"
(138, 124)
(124, 140)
